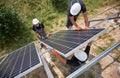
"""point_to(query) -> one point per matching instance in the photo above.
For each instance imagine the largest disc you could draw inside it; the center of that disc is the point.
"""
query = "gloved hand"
(55, 53)
(78, 28)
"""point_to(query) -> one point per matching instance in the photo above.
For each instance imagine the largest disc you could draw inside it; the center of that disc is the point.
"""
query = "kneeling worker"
(79, 58)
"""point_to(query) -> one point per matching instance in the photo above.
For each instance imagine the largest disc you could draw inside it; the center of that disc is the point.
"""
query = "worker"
(77, 59)
(75, 7)
(39, 29)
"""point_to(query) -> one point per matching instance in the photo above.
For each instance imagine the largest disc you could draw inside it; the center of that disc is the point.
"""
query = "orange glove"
(55, 53)
(78, 28)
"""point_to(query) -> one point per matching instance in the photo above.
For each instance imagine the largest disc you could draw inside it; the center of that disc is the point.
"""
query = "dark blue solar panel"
(19, 61)
(67, 40)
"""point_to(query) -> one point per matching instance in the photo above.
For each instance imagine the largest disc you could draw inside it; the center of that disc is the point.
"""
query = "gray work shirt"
(83, 9)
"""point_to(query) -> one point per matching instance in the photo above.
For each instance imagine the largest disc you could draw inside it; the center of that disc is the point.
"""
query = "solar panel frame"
(2, 58)
(78, 47)
(9, 70)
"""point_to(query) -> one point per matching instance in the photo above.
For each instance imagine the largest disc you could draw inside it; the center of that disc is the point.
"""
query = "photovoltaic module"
(66, 42)
(20, 62)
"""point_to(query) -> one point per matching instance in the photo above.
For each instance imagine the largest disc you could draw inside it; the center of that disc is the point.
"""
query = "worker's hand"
(78, 28)
(115, 20)
(40, 37)
(55, 53)
(90, 43)
(49, 35)
(86, 27)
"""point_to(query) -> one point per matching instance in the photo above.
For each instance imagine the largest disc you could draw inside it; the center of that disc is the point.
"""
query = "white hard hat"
(82, 56)
(35, 21)
(75, 9)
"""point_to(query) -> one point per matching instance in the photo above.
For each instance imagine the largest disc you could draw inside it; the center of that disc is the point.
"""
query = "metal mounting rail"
(105, 11)
(104, 20)
(90, 19)
(46, 67)
(93, 61)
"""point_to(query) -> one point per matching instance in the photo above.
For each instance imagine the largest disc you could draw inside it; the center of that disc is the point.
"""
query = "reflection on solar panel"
(2, 58)
(20, 62)
(67, 41)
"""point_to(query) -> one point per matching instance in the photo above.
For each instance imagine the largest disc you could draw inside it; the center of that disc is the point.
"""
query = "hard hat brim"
(35, 21)
(80, 55)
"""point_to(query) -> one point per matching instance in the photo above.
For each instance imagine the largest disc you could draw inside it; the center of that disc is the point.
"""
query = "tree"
(11, 25)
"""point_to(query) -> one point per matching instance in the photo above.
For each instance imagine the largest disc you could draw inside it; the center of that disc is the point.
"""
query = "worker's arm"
(39, 36)
(59, 57)
(74, 23)
(86, 20)
(45, 30)
(87, 50)
(115, 19)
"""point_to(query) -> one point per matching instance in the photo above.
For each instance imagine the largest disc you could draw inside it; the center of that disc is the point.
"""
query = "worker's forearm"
(61, 59)
(39, 36)
(45, 31)
(86, 19)
(73, 22)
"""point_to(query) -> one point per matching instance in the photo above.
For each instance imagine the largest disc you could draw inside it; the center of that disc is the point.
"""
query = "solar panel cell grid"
(19, 61)
(66, 40)
(17, 65)
(57, 46)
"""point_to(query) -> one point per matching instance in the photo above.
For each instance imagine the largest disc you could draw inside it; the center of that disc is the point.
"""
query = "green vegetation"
(90, 75)
(51, 12)
(11, 26)
(93, 4)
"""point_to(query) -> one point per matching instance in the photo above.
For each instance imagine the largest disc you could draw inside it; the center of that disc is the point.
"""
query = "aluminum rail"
(102, 13)
(46, 67)
(105, 11)
(45, 64)
(104, 20)
(93, 61)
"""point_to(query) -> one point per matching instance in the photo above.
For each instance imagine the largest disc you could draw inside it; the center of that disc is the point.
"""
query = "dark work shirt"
(83, 9)
(41, 26)
(75, 62)
(39, 30)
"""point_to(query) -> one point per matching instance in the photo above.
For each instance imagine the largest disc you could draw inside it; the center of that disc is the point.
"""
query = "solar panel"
(66, 42)
(20, 62)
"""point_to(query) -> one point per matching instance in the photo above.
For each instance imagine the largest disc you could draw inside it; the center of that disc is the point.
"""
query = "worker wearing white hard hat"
(39, 29)
(80, 55)
(77, 59)
(75, 7)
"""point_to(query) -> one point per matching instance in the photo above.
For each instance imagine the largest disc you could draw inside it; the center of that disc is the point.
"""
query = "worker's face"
(37, 24)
